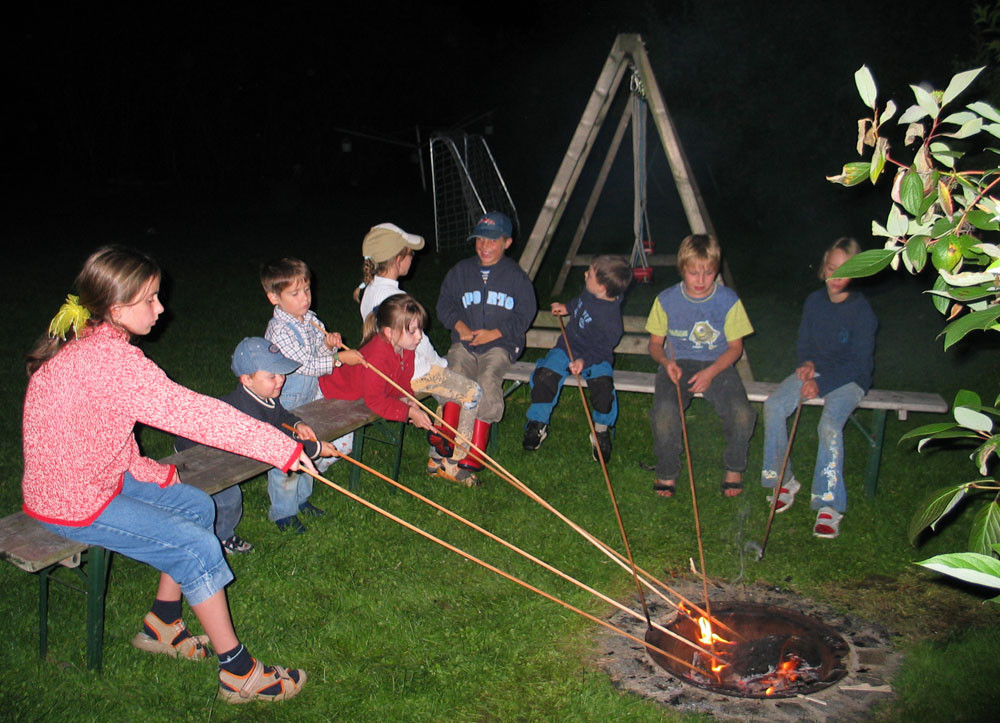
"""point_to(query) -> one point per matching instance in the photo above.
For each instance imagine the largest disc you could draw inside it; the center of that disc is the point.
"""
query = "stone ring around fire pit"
(845, 663)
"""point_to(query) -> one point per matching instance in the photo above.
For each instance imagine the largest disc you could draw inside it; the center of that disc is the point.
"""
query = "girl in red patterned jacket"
(392, 332)
(85, 479)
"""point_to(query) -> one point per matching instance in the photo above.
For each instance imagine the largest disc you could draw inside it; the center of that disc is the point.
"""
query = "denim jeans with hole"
(828, 488)
(168, 528)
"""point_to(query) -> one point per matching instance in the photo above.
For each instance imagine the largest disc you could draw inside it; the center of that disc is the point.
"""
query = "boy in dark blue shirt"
(593, 330)
(488, 302)
(262, 369)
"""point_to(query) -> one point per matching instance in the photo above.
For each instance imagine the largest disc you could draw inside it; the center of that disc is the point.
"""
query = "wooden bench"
(877, 400)
(29, 546)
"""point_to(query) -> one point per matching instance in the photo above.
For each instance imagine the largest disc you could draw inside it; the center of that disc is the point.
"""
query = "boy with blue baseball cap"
(488, 302)
(262, 369)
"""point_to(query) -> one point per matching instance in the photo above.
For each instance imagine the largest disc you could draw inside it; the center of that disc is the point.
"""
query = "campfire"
(771, 652)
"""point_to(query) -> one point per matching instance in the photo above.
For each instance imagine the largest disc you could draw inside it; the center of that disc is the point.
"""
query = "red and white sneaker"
(827, 523)
(786, 495)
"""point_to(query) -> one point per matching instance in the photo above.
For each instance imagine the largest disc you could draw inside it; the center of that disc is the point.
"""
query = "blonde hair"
(277, 275)
(370, 269)
(699, 247)
(395, 313)
(110, 276)
(846, 244)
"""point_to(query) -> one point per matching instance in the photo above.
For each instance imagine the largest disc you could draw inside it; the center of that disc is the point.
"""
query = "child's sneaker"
(236, 544)
(291, 523)
(786, 495)
(268, 683)
(604, 441)
(827, 523)
(534, 434)
(160, 637)
(308, 508)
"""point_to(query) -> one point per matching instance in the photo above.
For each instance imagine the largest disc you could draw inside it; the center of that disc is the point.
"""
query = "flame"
(784, 675)
(708, 637)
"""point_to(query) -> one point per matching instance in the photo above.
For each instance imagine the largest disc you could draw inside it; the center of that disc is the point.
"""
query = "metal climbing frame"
(466, 184)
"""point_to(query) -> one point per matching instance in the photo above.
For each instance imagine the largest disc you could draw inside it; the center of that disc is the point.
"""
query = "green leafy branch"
(973, 421)
(939, 212)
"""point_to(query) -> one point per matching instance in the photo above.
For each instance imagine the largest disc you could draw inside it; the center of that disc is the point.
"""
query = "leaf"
(967, 398)
(971, 419)
(878, 159)
(985, 110)
(985, 529)
(852, 174)
(968, 129)
(897, 222)
(888, 113)
(957, 433)
(983, 221)
(967, 278)
(965, 294)
(976, 321)
(912, 115)
(865, 263)
(944, 198)
(958, 83)
(967, 566)
(866, 134)
(866, 85)
(991, 250)
(993, 129)
(911, 192)
(940, 303)
(926, 101)
(960, 118)
(934, 507)
(927, 429)
(943, 154)
(982, 455)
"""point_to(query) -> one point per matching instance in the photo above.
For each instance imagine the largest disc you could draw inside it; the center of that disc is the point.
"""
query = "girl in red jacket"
(392, 332)
(85, 479)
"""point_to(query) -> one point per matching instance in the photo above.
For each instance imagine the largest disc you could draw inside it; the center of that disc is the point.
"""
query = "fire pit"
(870, 662)
(779, 653)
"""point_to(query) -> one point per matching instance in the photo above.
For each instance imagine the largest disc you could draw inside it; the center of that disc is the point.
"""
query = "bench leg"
(43, 610)
(875, 451)
(97, 586)
(95, 579)
(357, 451)
(399, 452)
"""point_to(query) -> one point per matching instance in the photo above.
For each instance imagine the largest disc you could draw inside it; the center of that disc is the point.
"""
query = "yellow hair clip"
(70, 314)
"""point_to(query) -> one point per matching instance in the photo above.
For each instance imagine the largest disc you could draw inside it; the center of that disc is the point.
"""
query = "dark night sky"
(208, 101)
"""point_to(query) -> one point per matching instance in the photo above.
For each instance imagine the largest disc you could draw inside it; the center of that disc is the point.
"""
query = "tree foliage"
(944, 214)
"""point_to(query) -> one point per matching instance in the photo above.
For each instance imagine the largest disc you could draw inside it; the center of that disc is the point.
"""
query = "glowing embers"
(775, 652)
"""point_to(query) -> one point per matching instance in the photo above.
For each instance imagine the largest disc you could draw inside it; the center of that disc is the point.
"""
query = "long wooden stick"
(607, 478)
(492, 568)
(518, 550)
(694, 493)
(608, 551)
(781, 477)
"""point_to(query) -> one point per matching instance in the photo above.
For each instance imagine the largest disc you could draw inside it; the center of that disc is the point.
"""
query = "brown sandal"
(193, 647)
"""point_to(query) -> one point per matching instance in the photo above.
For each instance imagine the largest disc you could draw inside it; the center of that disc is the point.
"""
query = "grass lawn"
(390, 626)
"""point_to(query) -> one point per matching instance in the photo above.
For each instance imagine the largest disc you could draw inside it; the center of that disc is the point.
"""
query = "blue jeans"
(728, 398)
(169, 528)
(828, 488)
(600, 381)
(287, 493)
(228, 511)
